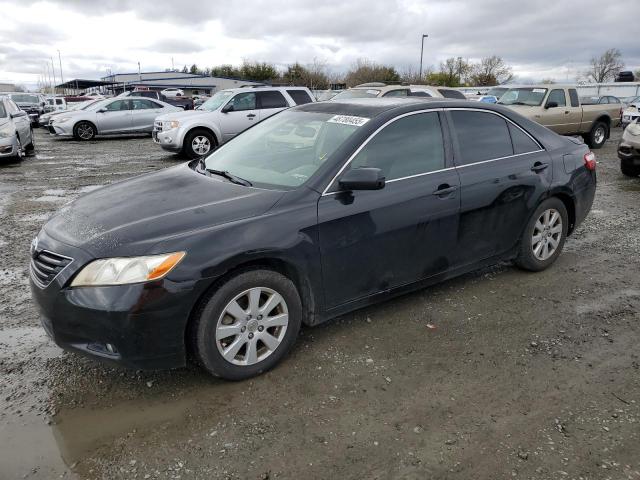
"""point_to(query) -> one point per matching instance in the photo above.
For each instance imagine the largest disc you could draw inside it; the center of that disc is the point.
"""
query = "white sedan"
(172, 92)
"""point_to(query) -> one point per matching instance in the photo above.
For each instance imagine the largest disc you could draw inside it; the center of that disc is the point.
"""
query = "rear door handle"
(539, 167)
(445, 190)
(251, 115)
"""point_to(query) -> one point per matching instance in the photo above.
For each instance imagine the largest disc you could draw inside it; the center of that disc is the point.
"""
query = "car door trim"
(325, 192)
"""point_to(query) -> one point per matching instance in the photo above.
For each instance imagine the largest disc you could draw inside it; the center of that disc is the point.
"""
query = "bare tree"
(491, 71)
(454, 71)
(365, 70)
(409, 74)
(18, 87)
(605, 67)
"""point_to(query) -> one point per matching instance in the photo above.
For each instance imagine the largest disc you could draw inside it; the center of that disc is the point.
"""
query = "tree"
(259, 71)
(18, 87)
(636, 75)
(364, 71)
(490, 71)
(184, 69)
(547, 81)
(194, 69)
(225, 71)
(453, 71)
(605, 67)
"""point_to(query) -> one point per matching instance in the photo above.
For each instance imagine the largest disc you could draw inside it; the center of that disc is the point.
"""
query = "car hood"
(129, 217)
(184, 115)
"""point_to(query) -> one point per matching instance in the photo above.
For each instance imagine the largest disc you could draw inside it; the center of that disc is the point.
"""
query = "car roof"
(372, 107)
(261, 88)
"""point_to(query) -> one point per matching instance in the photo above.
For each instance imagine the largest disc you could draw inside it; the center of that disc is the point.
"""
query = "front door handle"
(444, 190)
(539, 167)
(251, 115)
(566, 112)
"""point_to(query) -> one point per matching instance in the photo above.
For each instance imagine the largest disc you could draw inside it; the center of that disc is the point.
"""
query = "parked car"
(435, 92)
(600, 100)
(225, 257)
(558, 108)
(631, 112)
(626, 76)
(379, 89)
(172, 92)
(184, 103)
(629, 150)
(109, 117)
(222, 117)
(32, 103)
(54, 104)
(47, 117)
(16, 136)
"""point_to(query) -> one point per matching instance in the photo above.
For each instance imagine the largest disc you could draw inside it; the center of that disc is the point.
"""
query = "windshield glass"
(24, 98)
(3, 111)
(357, 93)
(216, 101)
(497, 91)
(285, 150)
(523, 96)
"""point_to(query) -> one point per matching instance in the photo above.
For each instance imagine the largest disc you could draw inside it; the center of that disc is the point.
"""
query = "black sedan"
(317, 211)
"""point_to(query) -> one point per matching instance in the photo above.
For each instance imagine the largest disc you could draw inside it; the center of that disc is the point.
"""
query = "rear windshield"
(451, 93)
(357, 93)
(24, 98)
(524, 96)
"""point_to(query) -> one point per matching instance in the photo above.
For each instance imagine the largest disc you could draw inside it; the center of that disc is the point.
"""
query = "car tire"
(84, 131)
(247, 325)
(629, 170)
(598, 135)
(544, 236)
(20, 153)
(199, 142)
(31, 147)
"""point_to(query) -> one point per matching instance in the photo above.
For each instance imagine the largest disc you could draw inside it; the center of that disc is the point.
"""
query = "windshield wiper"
(223, 173)
(514, 103)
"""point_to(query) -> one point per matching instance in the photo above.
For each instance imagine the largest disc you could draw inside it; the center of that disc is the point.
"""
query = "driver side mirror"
(365, 178)
(228, 108)
(551, 105)
(18, 114)
(101, 110)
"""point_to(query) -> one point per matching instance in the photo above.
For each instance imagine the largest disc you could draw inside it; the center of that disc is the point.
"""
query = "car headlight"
(62, 119)
(6, 130)
(169, 124)
(633, 128)
(126, 270)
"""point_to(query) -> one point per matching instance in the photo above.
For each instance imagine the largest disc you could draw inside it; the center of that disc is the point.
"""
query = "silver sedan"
(16, 136)
(110, 117)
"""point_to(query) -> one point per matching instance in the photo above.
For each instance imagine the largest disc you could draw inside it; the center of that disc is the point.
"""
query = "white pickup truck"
(226, 114)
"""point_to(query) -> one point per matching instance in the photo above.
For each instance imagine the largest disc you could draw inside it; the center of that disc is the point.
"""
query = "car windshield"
(523, 96)
(357, 93)
(3, 111)
(285, 150)
(216, 101)
(496, 91)
(24, 98)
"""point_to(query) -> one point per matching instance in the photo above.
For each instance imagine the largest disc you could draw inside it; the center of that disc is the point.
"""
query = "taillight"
(590, 161)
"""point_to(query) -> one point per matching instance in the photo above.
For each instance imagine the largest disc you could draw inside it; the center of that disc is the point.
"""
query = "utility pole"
(54, 77)
(60, 61)
(139, 74)
(421, 53)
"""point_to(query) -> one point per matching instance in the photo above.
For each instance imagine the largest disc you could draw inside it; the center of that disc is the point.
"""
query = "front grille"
(157, 126)
(45, 266)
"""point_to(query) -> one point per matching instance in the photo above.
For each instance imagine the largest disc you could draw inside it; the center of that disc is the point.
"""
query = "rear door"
(114, 117)
(143, 114)
(270, 102)
(371, 241)
(244, 113)
(503, 174)
(22, 122)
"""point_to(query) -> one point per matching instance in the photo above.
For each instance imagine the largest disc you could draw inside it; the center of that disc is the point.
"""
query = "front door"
(558, 118)
(114, 117)
(243, 114)
(503, 173)
(371, 241)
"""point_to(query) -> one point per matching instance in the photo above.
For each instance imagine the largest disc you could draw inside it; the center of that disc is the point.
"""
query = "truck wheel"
(629, 170)
(199, 142)
(598, 135)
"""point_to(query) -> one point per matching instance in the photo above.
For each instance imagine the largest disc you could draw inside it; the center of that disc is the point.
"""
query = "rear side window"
(481, 136)
(419, 93)
(409, 146)
(299, 96)
(58, 101)
(451, 93)
(397, 93)
(272, 99)
(557, 96)
(573, 95)
(522, 143)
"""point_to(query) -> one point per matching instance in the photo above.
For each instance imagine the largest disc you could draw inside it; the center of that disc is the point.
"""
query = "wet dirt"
(497, 374)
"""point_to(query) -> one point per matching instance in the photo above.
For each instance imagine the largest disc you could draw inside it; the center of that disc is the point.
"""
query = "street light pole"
(54, 77)
(421, 53)
(60, 62)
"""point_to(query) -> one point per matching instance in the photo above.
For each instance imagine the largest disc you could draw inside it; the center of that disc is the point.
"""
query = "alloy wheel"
(252, 326)
(547, 233)
(201, 145)
(599, 135)
(85, 131)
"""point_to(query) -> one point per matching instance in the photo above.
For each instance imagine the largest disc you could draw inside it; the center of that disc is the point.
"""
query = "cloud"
(175, 45)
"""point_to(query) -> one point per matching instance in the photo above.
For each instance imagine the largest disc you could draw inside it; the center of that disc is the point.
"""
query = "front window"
(24, 98)
(285, 150)
(117, 105)
(357, 93)
(216, 101)
(532, 97)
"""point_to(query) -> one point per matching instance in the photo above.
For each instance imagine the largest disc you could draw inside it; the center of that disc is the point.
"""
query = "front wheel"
(544, 236)
(629, 170)
(84, 131)
(598, 135)
(247, 325)
(30, 147)
(199, 142)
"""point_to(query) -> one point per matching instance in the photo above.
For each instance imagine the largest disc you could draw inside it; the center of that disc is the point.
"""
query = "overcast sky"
(538, 38)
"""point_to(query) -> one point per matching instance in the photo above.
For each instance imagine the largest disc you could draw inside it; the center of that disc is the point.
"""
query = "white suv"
(223, 116)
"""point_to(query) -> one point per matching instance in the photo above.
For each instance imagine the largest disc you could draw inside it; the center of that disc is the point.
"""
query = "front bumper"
(167, 139)
(627, 119)
(140, 326)
(9, 147)
(629, 153)
(60, 130)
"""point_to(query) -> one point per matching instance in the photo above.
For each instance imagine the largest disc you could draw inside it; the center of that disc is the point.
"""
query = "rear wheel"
(84, 131)
(247, 325)
(598, 135)
(629, 170)
(199, 142)
(544, 236)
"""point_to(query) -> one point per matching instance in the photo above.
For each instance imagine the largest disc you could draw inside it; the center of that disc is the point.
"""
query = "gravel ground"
(497, 374)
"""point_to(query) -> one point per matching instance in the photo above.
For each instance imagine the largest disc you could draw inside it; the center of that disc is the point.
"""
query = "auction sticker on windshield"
(348, 120)
(539, 90)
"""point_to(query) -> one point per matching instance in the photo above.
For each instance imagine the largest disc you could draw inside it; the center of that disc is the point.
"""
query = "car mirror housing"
(551, 105)
(227, 108)
(365, 178)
